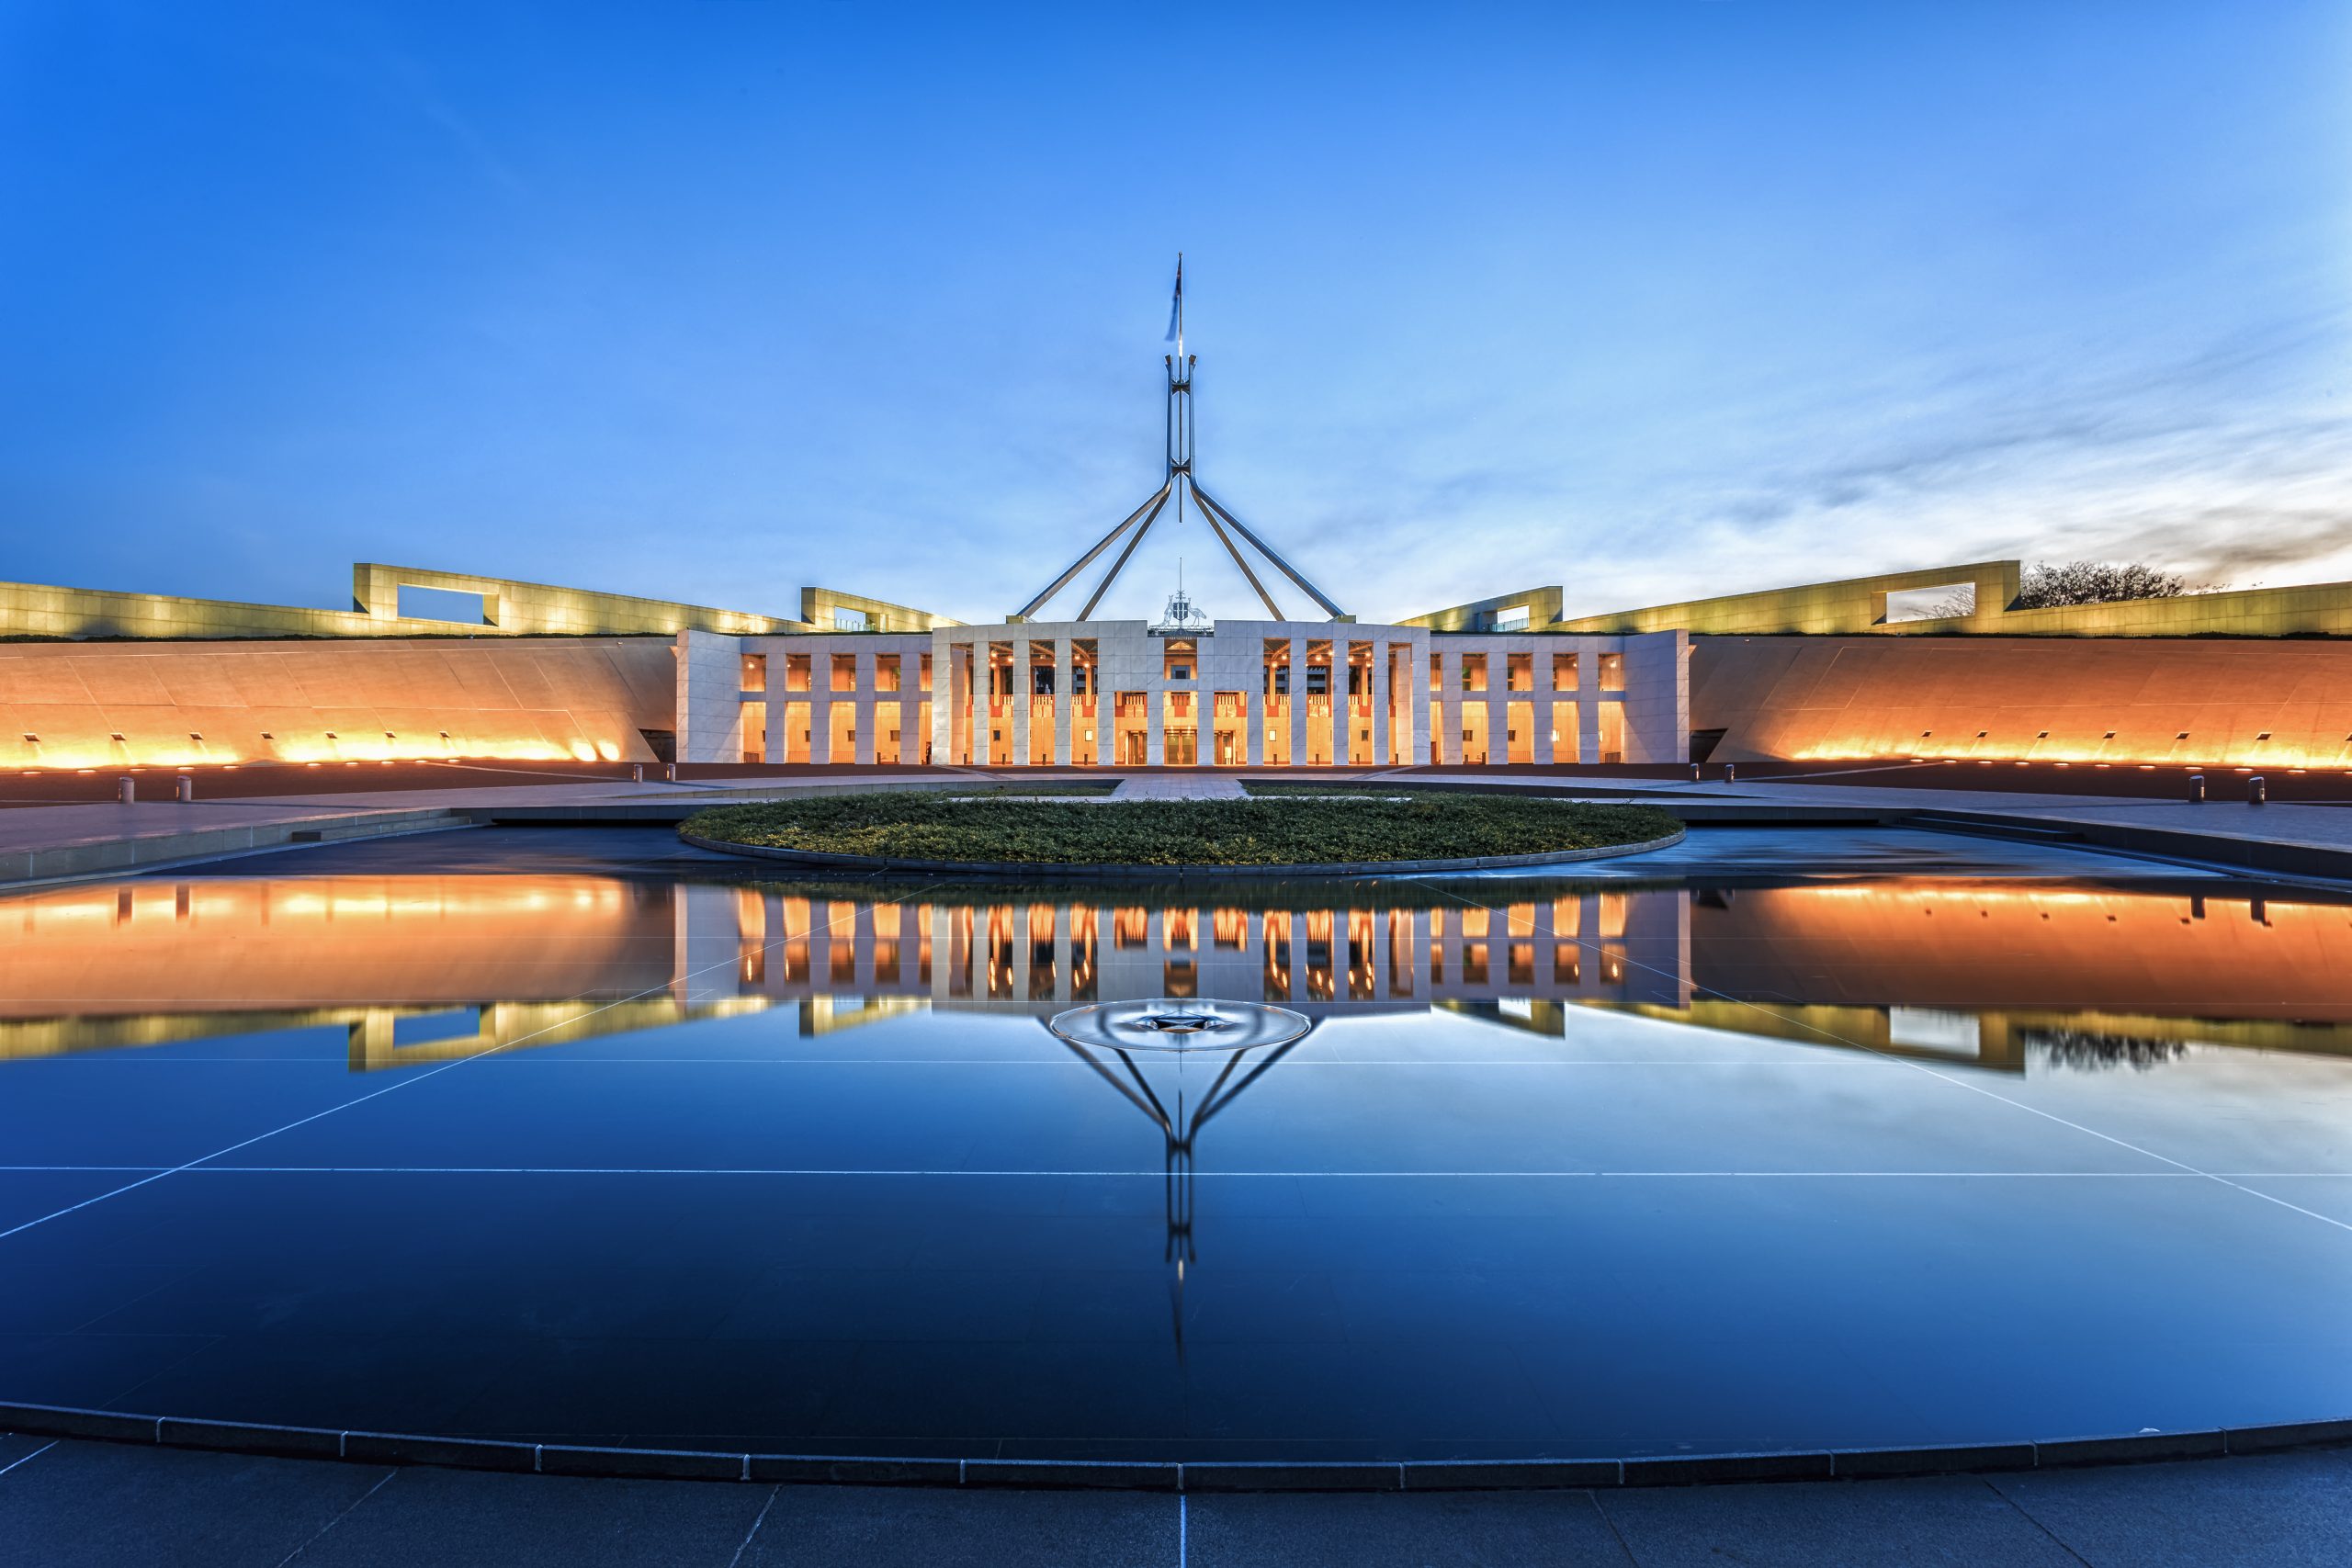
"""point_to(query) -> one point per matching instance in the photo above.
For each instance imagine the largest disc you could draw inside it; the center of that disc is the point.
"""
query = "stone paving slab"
(82, 1504)
(2288, 1510)
(73, 1503)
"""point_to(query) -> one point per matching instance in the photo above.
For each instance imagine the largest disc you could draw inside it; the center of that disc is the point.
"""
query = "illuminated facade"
(1934, 664)
(1240, 693)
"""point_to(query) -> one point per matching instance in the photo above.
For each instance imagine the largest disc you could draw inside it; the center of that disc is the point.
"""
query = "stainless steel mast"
(1180, 481)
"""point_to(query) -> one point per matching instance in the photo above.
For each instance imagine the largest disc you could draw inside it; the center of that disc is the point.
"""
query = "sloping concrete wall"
(176, 704)
(2275, 703)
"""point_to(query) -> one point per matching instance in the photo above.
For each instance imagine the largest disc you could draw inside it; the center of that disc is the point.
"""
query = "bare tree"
(2095, 583)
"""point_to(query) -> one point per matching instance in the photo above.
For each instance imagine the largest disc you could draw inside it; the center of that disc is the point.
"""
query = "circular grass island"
(1339, 835)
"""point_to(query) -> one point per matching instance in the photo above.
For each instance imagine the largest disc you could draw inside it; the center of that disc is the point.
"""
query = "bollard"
(670, 772)
(126, 790)
(637, 773)
(2197, 789)
(1731, 772)
(1694, 772)
(184, 788)
(2256, 792)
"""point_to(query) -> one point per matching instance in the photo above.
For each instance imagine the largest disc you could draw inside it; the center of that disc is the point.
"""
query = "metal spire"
(1179, 483)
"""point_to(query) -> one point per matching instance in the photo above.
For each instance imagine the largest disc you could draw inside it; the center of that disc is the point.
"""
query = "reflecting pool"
(1778, 1140)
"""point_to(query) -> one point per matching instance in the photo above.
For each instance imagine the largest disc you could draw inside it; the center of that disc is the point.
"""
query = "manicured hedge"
(1181, 832)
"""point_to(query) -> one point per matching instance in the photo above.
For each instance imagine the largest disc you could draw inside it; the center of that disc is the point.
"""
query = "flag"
(1176, 306)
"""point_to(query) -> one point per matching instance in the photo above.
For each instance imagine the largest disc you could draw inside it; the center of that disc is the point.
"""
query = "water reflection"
(1181, 1119)
(422, 969)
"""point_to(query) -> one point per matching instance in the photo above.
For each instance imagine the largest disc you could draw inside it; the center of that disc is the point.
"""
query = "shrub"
(1181, 832)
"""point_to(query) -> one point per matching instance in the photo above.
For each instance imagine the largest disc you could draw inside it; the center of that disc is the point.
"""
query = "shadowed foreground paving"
(68, 1504)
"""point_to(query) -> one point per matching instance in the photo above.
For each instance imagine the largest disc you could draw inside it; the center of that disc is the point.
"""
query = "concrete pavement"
(82, 1505)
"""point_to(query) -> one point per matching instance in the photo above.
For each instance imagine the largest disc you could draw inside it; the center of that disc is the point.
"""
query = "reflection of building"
(1041, 956)
(426, 967)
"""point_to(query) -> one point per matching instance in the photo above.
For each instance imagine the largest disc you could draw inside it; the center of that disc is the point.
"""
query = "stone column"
(1589, 703)
(864, 699)
(1417, 681)
(1498, 708)
(1064, 702)
(1298, 712)
(1382, 681)
(821, 704)
(943, 696)
(1023, 683)
(1106, 708)
(1445, 736)
(1540, 699)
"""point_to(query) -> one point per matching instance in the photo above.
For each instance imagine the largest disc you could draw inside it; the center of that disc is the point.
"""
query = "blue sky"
(709, 301)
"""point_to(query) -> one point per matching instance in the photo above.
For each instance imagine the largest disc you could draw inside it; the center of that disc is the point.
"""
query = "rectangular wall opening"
(1936, 603)
(452, 605)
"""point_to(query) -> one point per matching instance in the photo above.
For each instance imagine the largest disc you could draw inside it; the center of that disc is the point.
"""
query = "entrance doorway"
(1181, 747)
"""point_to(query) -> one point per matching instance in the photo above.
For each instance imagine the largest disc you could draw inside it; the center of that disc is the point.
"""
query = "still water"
(1778, 1140)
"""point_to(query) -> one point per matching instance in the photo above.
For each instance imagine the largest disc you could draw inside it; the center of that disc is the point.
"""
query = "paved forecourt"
(194, 1509)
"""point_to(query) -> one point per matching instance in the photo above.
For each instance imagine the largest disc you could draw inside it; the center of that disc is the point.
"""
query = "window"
(1520, 672)
(886, 671)
(1563, 672)
(849, 620)
(1473, 671)
(755, 672)
(844, 671)
(796, 671)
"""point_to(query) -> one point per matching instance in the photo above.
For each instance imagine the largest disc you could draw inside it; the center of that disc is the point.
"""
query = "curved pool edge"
(818, 859)
(1236, 1475)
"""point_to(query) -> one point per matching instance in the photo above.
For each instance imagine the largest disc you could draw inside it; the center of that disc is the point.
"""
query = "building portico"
(1131, 695)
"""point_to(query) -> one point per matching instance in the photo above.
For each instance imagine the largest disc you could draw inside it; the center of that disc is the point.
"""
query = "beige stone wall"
(305, 702)
(518, 608)
(510, 608)
(1858, 606)
(2263, 703)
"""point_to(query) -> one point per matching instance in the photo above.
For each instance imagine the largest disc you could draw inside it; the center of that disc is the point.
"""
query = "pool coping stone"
(1189, 1476)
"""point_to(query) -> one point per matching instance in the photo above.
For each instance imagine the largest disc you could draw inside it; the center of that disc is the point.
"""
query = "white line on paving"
(306, 1546)
(1181, 1531)
(728, 964)
(12, 1464)
(752, 1533)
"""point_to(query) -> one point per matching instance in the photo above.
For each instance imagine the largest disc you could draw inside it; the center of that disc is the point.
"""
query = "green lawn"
(1181, 832)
